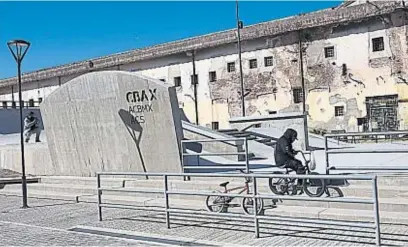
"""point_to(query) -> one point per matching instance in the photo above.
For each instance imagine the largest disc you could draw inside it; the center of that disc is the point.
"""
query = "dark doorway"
(382, 112)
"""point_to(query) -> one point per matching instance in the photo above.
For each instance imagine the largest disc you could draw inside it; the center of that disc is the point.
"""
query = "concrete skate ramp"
(113, 121)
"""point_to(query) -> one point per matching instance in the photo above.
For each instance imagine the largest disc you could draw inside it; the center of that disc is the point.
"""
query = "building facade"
(354, 61)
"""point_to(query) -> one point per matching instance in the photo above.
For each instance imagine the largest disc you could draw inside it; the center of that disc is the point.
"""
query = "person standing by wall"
(31, 126)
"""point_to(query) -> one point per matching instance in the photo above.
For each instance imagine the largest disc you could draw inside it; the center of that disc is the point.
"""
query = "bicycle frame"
(244, 188)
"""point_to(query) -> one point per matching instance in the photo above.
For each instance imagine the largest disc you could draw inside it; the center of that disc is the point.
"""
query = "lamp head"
(18, 48)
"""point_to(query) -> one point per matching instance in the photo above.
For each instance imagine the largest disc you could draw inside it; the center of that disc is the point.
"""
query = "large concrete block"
(113, 121)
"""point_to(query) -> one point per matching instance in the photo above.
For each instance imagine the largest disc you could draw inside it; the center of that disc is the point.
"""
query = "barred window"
(378, 44)
(297, 95)
(253, 63)
(339, 111)
(329, 52)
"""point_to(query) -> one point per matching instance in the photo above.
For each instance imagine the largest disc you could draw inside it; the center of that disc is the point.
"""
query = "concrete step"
(88, 185)
(397, 204)
(85, 181)
(278, 211)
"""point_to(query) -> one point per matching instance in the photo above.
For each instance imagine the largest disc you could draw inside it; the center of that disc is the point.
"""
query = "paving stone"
(49, 220)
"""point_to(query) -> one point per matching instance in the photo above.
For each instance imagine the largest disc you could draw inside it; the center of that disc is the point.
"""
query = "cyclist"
(285, 155)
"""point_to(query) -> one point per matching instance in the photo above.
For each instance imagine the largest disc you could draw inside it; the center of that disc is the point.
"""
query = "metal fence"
(352, 150)
(238, 142)
(165, 191)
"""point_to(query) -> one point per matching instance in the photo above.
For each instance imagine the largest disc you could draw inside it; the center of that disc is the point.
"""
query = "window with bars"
(195, 79)
(329, 52)
(253, 64)
(31, 103)
(339, 111)
(297, 95)
(212, 75)
(177, 81)
(378, 44)
(231, 67)
(268, 61)
(215, 125)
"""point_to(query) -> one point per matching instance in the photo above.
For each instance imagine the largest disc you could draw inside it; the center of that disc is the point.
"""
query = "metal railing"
(165, 191)
(353, 150)
(8, 104)
(242, 140)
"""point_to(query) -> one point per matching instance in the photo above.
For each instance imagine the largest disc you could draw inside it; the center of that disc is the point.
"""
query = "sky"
(64, 32)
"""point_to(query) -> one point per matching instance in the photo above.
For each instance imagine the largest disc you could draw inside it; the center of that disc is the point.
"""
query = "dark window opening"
(13, 105)
(31, 103)
(361, 121)
(339, 111)
(268, 61)
(213, 76)
(40, 100)
(177, 81)
(344, 69)
(272, 112)
(253, 63)
(329, 51)
(194, 80)
(378, 44)
(163, 80)
(215, 125)
(5, 104)
(231, 67)
(297, 95)
(258, 125)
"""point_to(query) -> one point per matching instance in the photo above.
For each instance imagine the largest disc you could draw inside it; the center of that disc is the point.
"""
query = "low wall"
(37, 159)
(10, 119)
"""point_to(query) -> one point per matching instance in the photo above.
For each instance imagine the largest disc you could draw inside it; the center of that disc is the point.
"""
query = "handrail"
(254, 194)
(353, 150)
(223, 140)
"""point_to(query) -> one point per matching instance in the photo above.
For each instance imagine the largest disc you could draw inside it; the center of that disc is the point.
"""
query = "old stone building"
(354, 61)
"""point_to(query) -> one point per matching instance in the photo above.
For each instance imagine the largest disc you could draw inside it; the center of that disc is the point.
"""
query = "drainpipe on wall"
(306, 130)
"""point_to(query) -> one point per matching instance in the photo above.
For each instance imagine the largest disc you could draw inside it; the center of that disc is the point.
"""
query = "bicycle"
(281, 186)
(220, 203)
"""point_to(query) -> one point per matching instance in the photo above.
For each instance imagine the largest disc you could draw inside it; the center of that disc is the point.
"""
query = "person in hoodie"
(285, 155)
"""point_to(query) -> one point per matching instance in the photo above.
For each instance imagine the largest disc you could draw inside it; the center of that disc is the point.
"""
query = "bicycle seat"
(224, 184)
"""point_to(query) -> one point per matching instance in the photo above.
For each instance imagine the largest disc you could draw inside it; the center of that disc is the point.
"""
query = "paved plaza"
(56, 222)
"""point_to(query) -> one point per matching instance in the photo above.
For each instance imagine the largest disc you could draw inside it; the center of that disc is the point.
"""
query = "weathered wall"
(113, 121)
(367, 73)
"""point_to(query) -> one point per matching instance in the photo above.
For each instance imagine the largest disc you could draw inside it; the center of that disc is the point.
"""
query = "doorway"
(382, 112)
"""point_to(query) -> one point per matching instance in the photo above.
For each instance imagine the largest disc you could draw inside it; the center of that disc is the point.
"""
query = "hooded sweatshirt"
(283, 149)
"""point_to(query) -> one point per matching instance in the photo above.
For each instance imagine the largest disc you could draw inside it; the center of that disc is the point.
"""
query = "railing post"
(376, 212)
(256, 221)
(166, 198)
(98, 179)
(246, 156)
(326, 148)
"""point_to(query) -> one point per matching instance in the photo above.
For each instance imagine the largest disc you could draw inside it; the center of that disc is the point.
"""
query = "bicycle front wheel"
(248, 205)
(314, 187)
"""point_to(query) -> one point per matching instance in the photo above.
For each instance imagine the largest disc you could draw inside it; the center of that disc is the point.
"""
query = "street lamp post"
(18, 49)
(239, 26)
(194, 81)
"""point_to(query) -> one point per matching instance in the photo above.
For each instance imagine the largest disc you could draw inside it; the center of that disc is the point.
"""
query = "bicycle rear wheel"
(216, 204)
(278, 186)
